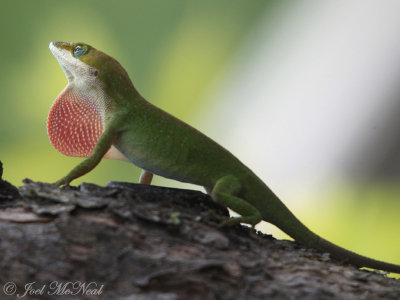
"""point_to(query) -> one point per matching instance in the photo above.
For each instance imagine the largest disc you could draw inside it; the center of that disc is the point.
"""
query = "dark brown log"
(129, 241)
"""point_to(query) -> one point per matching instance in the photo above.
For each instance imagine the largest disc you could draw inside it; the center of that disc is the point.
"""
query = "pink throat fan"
(74, 124)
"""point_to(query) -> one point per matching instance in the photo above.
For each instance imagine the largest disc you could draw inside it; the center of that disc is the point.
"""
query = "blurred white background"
(312, 105)
(301, 105)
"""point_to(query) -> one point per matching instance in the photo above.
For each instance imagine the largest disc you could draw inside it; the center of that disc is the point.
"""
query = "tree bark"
(130, 241)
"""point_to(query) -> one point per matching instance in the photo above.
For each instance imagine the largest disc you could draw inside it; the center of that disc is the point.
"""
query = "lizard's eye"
(79, 51)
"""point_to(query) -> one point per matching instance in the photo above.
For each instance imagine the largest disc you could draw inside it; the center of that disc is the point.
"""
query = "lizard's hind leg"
(225, 192)
(145, 177)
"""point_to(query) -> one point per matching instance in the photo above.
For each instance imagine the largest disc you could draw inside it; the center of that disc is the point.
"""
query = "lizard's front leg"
(102, 146)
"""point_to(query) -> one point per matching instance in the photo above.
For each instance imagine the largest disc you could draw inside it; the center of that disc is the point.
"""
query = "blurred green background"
(171, 49)
(177, 53)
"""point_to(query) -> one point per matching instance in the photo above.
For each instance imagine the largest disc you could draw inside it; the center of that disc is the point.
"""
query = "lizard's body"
(173, 149)
(100, 114)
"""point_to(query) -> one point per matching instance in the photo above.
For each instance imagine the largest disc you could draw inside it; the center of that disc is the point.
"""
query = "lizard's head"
(85, 65)
(97, 86)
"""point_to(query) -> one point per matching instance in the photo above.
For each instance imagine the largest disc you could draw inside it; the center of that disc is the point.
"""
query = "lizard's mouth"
(67, 62)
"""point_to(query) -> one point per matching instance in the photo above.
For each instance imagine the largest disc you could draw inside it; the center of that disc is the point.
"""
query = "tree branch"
(146, 242)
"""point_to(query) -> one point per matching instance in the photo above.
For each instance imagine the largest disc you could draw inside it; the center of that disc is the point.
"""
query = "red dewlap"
(74, 124)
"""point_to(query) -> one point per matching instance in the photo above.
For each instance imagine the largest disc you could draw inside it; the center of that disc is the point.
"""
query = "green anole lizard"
(100, 114)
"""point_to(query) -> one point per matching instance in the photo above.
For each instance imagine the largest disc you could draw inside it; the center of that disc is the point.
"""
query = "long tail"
(354, 258)
(277, 213)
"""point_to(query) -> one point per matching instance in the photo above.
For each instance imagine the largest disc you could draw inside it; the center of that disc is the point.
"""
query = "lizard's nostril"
(55, 43)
